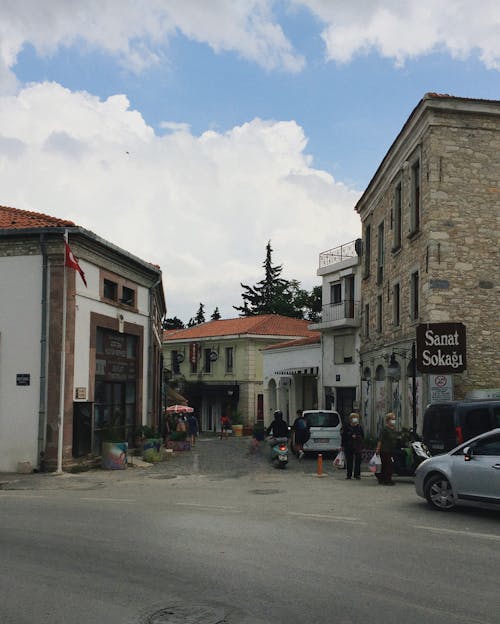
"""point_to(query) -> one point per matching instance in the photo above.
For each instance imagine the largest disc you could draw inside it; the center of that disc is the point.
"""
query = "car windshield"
(322, 419)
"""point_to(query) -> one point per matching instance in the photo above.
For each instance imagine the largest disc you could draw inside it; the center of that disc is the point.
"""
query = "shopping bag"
(375, 464)
(339, 461)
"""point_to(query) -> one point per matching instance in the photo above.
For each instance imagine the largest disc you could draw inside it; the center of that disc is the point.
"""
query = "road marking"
(19, 495)
(454, 532)
(202, 506)
(327, 517)
(109, 500)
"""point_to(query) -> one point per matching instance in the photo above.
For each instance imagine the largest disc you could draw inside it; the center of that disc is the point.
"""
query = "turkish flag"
(72, 262)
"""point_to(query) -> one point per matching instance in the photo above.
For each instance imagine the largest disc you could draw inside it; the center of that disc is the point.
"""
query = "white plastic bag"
(375, 464)
(339, 461)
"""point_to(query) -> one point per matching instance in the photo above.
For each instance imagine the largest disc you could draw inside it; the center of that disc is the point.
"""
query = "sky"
(192, 132)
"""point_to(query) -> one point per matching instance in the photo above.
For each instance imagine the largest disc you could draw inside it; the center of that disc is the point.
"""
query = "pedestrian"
(386, 445)
(181, 423)
(352, 445)
(301, 434)
(192, 428)
(225, 426)
(258, 435)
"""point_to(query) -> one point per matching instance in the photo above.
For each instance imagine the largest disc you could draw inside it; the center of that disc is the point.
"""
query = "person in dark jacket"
(386, 445)
(352, 445)
(278, 427)
(301, 434)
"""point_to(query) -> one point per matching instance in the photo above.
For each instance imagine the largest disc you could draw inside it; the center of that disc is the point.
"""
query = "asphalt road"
(218, 536)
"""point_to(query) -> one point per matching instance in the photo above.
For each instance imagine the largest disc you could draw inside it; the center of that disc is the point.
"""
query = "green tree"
(199, 317)
(270, 295)
(173, 323)
(216, 314)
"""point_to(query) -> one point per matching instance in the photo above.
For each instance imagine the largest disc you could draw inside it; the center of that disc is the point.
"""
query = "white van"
(325, 426)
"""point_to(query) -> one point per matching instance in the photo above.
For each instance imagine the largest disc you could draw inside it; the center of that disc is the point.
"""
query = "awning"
(312, 370)
(174, 397)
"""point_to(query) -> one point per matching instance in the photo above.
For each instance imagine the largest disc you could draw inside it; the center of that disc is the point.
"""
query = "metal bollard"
(320, 465)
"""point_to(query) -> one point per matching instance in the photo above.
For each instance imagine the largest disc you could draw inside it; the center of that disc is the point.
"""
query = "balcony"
(339, 315)
(339, 254)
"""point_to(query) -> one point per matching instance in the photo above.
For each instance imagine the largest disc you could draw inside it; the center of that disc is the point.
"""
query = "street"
(215, 535)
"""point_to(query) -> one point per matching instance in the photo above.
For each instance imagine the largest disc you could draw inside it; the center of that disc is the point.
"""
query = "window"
(396, 305)
(343, 349)
(367, 321)
(477, 420)
(229, 359)
(380, 257)
(207, 362)
(128, 296)
(415, 198)
(335, 293)
(379, 313)
(322, 419)
(367, 248)
(414, 292)
(490, 447)
(396, 219)
(175, 362)
(110, 290)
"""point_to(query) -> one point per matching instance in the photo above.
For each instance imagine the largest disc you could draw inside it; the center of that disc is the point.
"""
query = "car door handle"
(496, 466)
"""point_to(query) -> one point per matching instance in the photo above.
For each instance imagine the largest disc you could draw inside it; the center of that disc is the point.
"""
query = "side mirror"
(467, 451)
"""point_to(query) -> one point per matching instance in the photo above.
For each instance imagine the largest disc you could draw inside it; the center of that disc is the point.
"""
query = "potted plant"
(237, 423)
(149, 440)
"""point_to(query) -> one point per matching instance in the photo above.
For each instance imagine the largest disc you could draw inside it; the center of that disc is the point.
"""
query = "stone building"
(102, 366)
(431, 222)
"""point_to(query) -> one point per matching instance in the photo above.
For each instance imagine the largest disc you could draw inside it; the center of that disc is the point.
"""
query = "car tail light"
(282, 447)
(459, 434)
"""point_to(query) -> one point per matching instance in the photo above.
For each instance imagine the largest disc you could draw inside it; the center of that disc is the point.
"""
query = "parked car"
(324, 426)
(447, 424)
(467, 475)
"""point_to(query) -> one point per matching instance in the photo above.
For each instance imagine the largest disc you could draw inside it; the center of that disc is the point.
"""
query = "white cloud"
(402, 30)
(203, 208)
(137, 33)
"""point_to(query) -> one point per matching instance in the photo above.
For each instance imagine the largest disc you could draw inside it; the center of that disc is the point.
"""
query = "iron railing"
(347, 309)
(337, 254)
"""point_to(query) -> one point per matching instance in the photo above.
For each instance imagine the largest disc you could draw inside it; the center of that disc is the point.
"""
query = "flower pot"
(114, 455)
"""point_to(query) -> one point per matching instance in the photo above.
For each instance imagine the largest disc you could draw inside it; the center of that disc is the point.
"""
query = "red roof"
(299, 342)
(15, 219)
(264, 325)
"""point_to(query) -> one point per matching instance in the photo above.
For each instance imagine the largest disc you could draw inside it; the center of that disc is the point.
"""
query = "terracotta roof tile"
(264, 325)
(15, 219)
(299, 342)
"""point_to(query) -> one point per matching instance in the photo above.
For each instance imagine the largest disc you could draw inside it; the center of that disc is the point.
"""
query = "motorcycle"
(407, 458)
(279, 451)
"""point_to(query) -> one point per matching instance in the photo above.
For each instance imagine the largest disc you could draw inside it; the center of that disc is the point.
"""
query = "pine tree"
(216, 314)
(173, 323)
(199, 317)
(270, 295)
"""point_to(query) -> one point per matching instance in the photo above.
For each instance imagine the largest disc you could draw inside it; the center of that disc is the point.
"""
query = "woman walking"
(352, 445)
(385, 447)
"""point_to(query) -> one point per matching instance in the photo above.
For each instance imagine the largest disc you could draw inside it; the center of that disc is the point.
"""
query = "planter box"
(114, 455)
(178, 445)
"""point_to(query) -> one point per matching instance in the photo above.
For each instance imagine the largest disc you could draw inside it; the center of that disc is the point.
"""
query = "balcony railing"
(347, 309)
(337, 254)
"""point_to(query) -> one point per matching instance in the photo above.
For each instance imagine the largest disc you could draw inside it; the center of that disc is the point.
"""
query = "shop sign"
(441, 348)
(23, 379)
(193, 352)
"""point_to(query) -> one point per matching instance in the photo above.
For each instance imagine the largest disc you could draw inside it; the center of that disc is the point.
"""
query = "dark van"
(446, 425)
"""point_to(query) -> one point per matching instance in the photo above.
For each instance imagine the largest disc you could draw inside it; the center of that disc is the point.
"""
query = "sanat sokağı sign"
(441, 348)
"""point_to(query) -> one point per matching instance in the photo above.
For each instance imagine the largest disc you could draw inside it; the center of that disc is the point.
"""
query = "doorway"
(346, 398)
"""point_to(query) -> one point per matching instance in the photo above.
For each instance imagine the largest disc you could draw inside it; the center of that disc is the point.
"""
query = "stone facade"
(431, 223)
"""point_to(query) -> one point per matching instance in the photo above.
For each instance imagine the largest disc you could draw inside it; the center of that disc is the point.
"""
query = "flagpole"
(63, 370)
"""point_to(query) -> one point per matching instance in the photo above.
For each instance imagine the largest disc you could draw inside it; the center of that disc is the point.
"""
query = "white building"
(291, 371)
(340, 328)
(112, 345)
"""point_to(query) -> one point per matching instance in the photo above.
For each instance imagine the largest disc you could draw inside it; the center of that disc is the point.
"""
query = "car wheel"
(439, 494)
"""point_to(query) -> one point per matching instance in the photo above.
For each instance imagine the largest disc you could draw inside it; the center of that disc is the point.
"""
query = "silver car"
(467, 475)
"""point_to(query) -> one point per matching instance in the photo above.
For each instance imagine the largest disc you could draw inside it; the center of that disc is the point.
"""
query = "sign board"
(441, 348)
(23, 379)
(80, 394)
(213, 356)
(440, 388)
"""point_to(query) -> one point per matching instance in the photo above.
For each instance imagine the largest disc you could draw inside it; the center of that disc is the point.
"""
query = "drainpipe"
(42, 414)
(150, 353)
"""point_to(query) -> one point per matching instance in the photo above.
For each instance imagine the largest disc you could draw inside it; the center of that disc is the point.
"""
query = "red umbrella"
(179, 409)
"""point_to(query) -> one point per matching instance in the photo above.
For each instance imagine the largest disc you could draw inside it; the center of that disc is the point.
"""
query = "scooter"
(279, 451)
(406, 459)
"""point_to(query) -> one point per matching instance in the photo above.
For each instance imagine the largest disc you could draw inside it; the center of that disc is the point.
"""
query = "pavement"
(226, 458)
